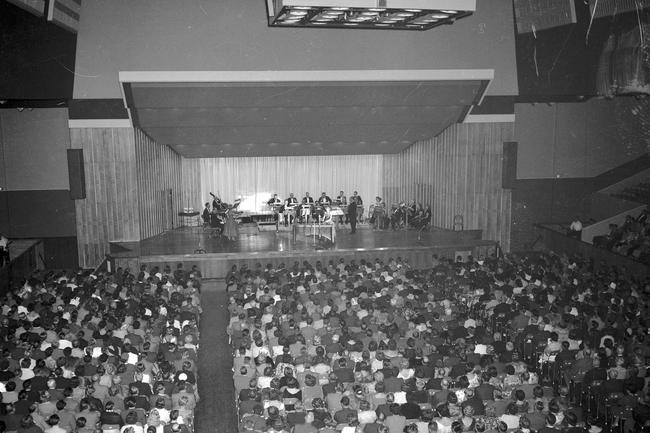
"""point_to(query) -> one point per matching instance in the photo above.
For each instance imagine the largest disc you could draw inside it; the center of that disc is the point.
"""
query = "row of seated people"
(399, 215)
(512, 344)
(109, 353)
(631, 239)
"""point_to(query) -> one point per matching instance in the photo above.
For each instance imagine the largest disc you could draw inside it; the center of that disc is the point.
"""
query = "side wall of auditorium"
(132, 185)
(459, 173)
(566, 152)
(35, 199)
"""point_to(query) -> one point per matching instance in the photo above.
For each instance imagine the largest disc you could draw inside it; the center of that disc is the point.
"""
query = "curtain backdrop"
(255, 180)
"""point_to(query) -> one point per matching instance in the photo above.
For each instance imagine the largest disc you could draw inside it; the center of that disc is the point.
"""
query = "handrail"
(108, 265)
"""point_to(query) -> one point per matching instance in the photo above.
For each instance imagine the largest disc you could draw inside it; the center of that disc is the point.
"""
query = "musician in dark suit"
(274, 201)
(289, 206)
(205, 216)
(324, 200)
(352, 213)
(342, 201)
(359, 202)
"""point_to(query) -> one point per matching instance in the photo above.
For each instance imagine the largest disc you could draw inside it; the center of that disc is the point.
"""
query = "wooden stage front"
(215, 255)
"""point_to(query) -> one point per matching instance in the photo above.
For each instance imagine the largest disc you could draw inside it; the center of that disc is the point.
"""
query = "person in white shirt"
(4, 250)
(575, 229)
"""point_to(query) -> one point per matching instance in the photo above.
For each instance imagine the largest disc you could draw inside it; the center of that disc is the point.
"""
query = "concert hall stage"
(215, 255)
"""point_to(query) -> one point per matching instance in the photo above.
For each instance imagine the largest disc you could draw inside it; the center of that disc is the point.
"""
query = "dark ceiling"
(297, 112)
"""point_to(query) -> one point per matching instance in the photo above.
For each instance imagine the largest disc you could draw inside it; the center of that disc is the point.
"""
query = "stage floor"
(193, 240)
(214, 255)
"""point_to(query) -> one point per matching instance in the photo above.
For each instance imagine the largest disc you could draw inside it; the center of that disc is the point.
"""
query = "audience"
(109, 353)
(631, 239)
(513, 344)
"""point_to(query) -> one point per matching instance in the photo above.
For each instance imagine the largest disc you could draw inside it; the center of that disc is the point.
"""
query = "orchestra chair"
(614, 412)
(560, 375)
(592, 399)
(576, 390)
(528, 350)
(458, 223)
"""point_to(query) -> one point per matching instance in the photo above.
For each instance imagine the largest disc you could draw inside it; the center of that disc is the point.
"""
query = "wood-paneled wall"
(457, 173)
(110, 210)
(159, 185)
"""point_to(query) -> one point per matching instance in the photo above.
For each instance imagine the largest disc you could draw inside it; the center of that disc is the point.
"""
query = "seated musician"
(289, 209)
(416, 218)
(397, 215)
(275, 204)
(324, 200)
(305, 213)
(411, 211)
(327, 215)
(217, 214)
(342, 201)
(426, 218)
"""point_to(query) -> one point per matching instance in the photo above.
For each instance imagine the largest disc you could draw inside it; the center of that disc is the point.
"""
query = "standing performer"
(342, 202)
(352, 213)
(230, 227)
(205, 216)
(359, 201)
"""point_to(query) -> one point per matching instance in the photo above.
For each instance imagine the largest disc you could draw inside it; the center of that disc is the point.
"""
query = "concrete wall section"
(122, 35)
(568, 140)
(34, 149)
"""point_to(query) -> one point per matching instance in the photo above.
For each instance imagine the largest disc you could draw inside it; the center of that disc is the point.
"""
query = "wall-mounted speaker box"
(509, 169)
(76, 174)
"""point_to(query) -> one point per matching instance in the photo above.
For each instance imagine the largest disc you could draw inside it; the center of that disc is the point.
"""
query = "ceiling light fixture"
(368, 14)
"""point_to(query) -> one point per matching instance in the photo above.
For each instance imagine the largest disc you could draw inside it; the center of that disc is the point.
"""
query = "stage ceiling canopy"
(209, 114)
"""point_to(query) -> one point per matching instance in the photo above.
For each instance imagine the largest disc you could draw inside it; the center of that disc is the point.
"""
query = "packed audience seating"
(537, 343)
(109, 353)
(631, 239)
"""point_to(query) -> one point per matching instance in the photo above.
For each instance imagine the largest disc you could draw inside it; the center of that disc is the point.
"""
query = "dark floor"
(215, 412)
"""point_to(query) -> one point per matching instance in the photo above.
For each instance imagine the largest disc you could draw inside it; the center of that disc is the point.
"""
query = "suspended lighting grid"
(367, 18)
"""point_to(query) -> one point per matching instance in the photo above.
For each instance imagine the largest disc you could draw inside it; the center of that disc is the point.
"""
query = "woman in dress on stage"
(378, 213)
(230, 227)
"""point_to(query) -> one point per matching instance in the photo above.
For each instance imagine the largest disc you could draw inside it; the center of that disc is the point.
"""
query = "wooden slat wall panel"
(158, 172)
(458, 173)
(109, 211)
(191, 189)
